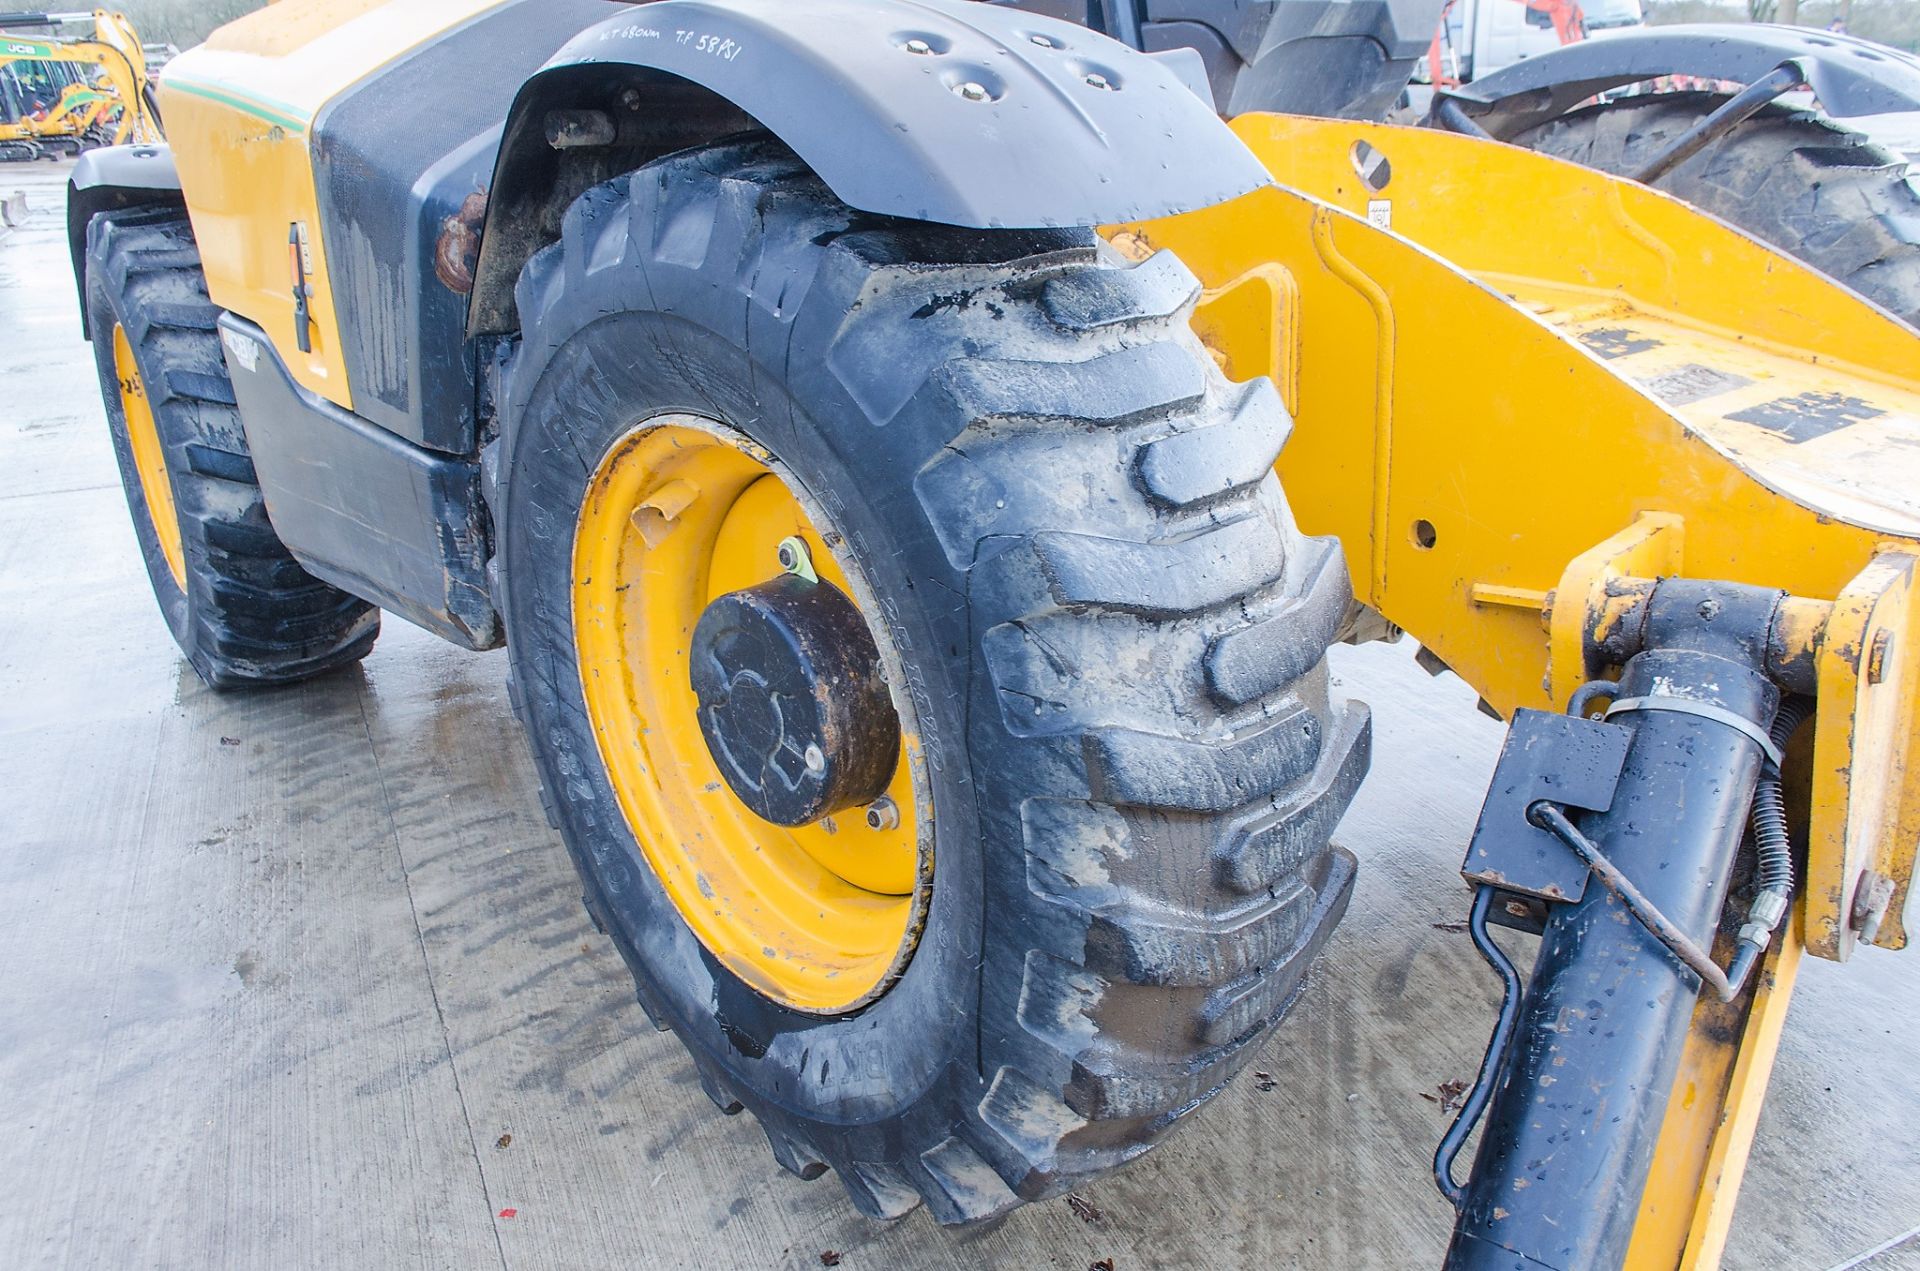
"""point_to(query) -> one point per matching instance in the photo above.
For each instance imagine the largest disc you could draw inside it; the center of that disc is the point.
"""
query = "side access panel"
(240, 109)
(406, 156)
(367, 125)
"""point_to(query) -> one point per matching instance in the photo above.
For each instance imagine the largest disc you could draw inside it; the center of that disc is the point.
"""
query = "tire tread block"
(1273, 843)
(1150, 770)
(965, 1188)
(1255, 661)
(1131, 385)
(1215, 567)
(1158, 289)
(1221, 458)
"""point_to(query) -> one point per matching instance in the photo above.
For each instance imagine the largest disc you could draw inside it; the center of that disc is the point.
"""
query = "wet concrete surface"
(301, 978)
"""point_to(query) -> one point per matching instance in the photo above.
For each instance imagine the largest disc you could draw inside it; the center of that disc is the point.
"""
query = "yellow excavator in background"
(62, 95)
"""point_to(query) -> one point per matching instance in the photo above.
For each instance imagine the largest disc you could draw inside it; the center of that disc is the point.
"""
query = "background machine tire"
(1098, 615)
(1788, 176)
(241, 608)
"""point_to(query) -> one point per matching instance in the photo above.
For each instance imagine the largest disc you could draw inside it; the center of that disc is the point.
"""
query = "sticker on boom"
(1685, 385)
(1807, 416)
(1613, 342)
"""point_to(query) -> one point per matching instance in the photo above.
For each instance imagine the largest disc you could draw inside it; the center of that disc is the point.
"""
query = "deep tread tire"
(249, 614)
(1071, 521)
(1789, 176)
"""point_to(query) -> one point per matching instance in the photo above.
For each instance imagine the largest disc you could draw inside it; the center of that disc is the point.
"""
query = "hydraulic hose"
(1773, 869)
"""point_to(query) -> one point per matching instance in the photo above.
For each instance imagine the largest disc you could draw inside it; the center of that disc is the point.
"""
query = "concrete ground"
(301, 978)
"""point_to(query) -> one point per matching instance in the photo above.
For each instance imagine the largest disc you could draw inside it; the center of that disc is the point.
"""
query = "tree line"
(182, 23)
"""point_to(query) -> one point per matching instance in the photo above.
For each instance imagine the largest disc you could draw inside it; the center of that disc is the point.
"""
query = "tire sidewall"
(600, 383)
(103, 315)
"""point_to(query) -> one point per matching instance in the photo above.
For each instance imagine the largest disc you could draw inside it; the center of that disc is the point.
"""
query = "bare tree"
(181, 22)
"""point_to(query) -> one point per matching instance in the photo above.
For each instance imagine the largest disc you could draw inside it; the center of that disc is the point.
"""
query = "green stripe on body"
(277, 113)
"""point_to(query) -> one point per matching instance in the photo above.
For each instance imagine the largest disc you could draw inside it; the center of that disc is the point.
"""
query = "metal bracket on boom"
(1572, 762)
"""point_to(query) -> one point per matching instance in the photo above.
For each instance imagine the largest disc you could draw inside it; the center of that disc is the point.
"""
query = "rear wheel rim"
(149, 460)
(821, 918)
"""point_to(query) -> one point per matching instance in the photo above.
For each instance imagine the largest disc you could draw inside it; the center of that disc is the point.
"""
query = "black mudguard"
(1008, 119)
(110, 178)
(1850, 76)
(393, 523)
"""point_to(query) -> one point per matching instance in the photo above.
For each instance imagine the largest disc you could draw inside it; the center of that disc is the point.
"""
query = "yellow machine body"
(1520, 386)
(239, 109)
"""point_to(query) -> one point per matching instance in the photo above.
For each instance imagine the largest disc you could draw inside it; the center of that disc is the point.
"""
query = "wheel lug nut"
(816, 761)
(919, 47)
(1098, 81)
(883, 814)
(972, 92)
(795, 558)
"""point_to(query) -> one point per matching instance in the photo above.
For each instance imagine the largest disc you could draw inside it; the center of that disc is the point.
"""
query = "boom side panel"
(1474, 364)
(1597, 384)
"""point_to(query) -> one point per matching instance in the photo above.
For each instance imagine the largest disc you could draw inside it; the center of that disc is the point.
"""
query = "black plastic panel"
(110, 178)
(1078, 130)
(395, 155)
(394, 524)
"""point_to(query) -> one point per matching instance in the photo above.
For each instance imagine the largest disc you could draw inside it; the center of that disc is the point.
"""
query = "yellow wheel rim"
(822, 917)
(148, 459)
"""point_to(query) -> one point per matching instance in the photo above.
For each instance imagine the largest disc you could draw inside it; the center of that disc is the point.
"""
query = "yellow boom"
(1641, 392)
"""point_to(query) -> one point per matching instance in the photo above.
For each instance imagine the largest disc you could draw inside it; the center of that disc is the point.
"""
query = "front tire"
(1067, 539)
(241, 608)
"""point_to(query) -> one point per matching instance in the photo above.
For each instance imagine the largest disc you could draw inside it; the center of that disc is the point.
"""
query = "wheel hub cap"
(792, 706)
(741, 709)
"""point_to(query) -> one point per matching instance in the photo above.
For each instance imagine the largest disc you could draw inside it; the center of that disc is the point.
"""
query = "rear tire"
(242, 609)
(1113, 638)
(1788, 176)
